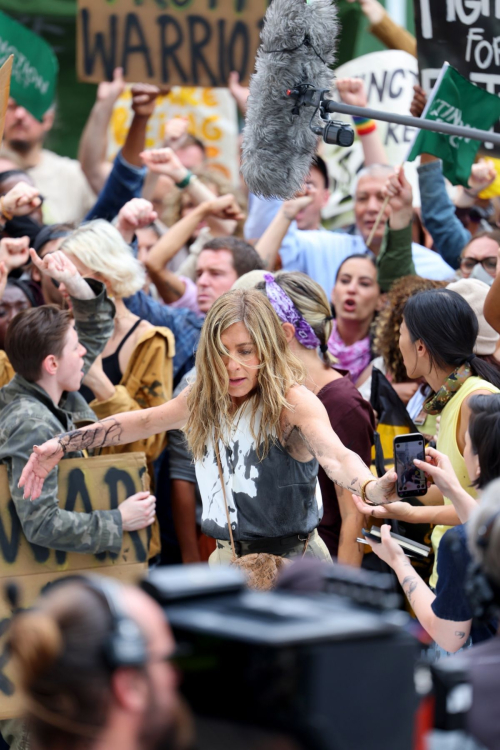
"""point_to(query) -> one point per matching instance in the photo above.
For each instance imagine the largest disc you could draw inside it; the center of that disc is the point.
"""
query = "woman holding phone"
(249, 420)
(443, 355)
(446, 614)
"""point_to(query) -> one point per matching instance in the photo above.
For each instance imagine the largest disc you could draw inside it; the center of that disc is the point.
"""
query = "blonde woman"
(248, 406)
(135, 369)
(351, 417)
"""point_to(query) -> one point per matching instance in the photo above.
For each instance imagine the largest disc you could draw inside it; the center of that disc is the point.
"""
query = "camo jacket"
(28, 416)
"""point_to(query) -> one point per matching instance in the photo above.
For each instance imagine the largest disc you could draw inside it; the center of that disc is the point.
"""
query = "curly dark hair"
(388, 323)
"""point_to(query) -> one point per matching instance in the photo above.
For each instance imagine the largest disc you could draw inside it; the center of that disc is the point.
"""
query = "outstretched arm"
(342, 466)
(449, 634)
(117, 430)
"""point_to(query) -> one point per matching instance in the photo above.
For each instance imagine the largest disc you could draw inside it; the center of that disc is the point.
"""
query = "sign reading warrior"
(85, 484)
(168, 42)
(464, 33)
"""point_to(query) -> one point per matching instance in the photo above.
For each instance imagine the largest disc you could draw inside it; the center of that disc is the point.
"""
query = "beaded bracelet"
(364, 126)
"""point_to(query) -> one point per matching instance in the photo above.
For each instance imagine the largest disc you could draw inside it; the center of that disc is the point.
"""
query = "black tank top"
(111, 366)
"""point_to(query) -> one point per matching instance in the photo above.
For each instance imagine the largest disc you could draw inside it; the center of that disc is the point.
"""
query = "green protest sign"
(34, 72)
(456, 101)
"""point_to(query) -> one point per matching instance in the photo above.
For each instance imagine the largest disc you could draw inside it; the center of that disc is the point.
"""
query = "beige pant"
(223, 555)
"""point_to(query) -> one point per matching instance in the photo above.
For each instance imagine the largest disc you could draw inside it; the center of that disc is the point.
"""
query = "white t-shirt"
(66, 191)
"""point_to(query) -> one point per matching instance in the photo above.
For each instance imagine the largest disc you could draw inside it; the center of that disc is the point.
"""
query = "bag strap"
(221, 477)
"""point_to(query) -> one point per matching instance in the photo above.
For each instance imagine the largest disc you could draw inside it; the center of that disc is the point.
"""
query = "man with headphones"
(93, 658)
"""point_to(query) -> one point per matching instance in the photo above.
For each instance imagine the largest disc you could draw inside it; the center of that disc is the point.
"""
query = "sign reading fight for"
(85, 484)
(465, 33)
(168, 42)
(212, 118)
(35, 67)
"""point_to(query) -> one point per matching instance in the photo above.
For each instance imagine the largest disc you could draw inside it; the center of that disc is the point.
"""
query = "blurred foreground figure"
(93, 663)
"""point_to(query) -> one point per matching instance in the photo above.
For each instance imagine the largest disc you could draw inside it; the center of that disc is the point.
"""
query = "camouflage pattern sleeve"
(93, 321)
(43, 521)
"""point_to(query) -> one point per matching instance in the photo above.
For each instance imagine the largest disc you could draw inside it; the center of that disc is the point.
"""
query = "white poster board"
(389, 78)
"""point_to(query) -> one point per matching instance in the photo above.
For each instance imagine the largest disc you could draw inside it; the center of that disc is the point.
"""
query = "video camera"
(328, 670)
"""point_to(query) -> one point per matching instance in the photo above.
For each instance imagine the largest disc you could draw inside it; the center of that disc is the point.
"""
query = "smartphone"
(411, 481)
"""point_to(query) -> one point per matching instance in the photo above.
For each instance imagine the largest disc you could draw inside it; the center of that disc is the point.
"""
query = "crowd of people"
(148, 305)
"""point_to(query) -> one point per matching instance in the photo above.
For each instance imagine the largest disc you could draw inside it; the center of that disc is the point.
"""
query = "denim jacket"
(438, 214)
(124, 183)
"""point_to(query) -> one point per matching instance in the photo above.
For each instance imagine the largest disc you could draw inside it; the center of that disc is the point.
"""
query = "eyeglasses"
(489, 264)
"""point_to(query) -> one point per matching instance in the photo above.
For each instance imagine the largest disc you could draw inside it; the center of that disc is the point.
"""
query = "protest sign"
(212, 118)
(35, 67)
(457, 101)
(5, 73)
(465, 33)
(100, 483)
(389, 78)
(179, 42)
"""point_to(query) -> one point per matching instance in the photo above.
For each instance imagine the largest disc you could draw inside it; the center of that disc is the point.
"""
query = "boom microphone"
(297, 46)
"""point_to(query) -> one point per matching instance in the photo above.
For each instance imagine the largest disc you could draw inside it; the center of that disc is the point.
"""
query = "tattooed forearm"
(100, 434)
(409, 585)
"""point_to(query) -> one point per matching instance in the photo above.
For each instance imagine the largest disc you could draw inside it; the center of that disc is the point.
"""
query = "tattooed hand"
(41, 462)
(388, 550)
(383, 490)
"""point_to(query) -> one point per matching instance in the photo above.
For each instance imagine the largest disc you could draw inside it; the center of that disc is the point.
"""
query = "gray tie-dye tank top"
(275, 497)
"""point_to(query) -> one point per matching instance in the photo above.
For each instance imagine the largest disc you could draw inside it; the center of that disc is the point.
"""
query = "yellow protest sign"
(100, 483)
(212, 119)
(168, 42)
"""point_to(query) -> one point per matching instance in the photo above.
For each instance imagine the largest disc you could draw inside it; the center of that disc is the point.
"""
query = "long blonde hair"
(211, 412)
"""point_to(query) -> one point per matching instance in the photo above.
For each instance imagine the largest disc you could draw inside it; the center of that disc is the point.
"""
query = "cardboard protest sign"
(100, 483)
(180, 42)
(35, 67)
(212, 118)
(465, 33)
(5, 73)
(389, 78)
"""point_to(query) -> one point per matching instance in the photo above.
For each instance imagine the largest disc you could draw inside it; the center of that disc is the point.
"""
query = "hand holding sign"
(138, 511)
(372, 9)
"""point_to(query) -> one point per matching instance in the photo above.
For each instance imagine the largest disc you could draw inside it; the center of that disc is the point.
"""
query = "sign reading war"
(168, 42)
(465, 33)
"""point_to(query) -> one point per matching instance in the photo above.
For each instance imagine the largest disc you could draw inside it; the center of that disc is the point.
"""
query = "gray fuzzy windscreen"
(278, 147)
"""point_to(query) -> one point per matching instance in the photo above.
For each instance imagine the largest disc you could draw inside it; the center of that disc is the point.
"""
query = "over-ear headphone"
(125, 645)
(482, 592)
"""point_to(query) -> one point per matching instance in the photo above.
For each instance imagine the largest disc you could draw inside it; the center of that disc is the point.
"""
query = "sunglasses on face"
(489, 264)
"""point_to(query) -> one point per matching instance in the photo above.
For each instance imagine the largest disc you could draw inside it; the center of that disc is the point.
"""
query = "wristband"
(363, 490)
(185, 182)
(364, 126)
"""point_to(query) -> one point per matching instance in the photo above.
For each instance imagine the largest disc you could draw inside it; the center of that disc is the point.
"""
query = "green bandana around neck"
(437, 401)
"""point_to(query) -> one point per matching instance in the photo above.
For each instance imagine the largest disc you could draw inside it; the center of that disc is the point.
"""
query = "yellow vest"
(447, 444)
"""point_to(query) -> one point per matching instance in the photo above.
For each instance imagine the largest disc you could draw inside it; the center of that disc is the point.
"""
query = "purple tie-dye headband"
(288, 313)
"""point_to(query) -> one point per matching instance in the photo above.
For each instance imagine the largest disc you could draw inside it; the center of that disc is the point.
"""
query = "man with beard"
(93, 658)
